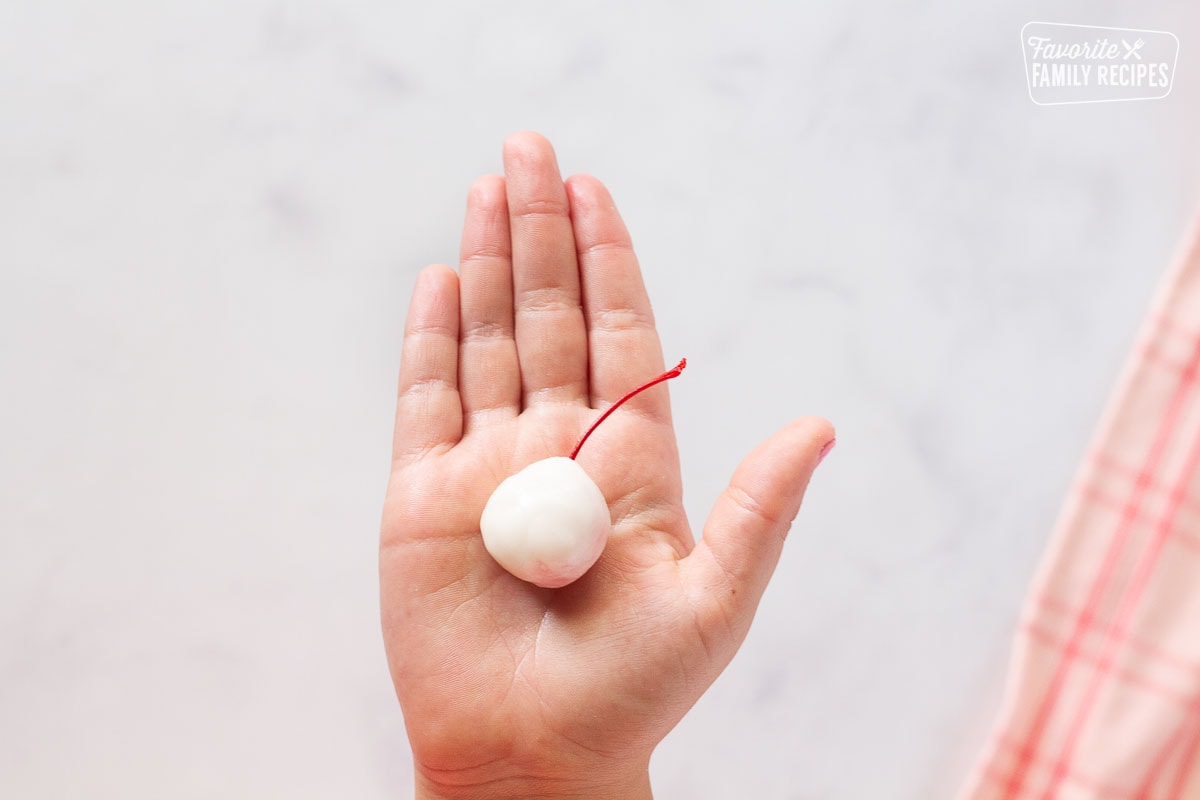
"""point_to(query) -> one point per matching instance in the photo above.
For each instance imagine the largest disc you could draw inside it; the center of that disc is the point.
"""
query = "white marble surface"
(210, 217)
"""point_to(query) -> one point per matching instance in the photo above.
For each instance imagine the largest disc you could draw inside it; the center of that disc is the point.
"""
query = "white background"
(211, 215)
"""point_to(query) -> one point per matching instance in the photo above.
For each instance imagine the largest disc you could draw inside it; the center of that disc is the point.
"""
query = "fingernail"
(825, 450)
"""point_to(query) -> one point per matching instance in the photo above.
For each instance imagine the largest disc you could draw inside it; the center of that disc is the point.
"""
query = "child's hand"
(509, 690)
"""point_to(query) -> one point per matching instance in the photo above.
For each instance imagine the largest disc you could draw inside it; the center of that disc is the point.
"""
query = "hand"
(510, 690)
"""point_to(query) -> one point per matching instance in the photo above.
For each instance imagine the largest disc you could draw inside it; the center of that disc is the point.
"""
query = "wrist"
(633, 786)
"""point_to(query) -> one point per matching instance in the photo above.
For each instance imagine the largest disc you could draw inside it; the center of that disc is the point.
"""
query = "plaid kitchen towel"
(1103, 699)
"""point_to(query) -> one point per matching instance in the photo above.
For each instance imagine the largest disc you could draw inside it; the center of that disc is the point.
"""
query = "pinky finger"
(428, 408)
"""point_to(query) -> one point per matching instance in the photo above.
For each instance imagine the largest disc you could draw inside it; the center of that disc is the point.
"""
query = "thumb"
(743, 537)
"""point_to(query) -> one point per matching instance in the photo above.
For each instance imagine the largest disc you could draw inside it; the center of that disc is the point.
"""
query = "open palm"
(557, 692)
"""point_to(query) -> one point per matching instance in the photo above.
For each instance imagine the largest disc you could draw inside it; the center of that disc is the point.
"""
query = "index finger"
(623, 345)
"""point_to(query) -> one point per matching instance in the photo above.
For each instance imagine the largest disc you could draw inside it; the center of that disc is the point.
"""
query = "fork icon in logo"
(1132, 49)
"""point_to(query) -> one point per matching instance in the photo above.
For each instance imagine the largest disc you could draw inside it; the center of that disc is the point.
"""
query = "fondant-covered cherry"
(548, 523)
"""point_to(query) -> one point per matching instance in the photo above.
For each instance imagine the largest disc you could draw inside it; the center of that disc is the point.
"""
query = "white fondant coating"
(547, 524)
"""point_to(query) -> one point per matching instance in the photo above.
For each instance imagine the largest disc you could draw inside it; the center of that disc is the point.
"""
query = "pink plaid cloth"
(1103, 699)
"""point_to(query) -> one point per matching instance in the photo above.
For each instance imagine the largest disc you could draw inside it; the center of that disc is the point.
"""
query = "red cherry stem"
(666, 376)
